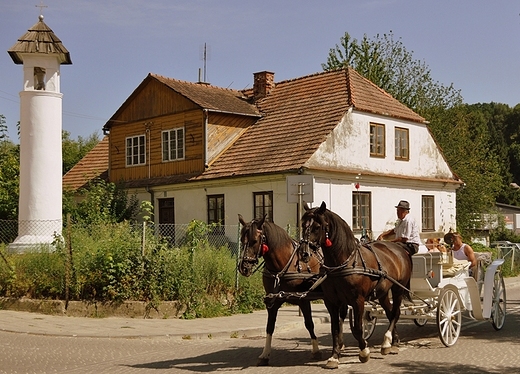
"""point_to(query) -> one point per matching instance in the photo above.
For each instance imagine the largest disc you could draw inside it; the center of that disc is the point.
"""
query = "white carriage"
(443, 290)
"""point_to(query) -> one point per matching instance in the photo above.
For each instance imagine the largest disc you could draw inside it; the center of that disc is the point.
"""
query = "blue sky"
(114, 44)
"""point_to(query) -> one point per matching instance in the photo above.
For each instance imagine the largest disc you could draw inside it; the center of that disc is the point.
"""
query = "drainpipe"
(206, 115)
(152, 200)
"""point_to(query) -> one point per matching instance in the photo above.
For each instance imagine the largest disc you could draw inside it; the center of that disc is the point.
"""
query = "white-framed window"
(173, 144)
(136, 150)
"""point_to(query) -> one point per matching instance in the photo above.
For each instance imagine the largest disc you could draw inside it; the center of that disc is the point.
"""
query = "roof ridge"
(196, 84)
(308, 76)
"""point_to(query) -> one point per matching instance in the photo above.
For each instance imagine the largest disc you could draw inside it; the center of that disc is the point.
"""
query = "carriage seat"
(427, 270)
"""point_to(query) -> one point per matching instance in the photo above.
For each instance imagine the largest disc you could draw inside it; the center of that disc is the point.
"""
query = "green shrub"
(109, 264)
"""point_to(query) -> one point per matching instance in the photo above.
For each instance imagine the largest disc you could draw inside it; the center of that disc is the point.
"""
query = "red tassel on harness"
(328, 243)
(265, 249)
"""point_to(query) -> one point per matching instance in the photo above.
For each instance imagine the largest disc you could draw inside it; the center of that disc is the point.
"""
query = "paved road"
(480, 349)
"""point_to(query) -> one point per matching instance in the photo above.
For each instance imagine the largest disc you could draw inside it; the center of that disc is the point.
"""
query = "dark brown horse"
(356, 273)
(286, 276)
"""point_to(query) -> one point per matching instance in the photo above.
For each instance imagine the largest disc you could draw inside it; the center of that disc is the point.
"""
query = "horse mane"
(275, 235)
(340, 234)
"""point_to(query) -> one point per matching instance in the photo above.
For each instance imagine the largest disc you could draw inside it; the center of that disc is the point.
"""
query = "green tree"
(9, 179)
(74, 150)
(101, 202)
(3, 128)
(465, 139)
(387, 63)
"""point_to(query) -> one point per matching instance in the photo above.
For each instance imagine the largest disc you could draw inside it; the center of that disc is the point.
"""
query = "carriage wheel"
(369, 323)
(420, 322)
(449, 317)
(498, 306)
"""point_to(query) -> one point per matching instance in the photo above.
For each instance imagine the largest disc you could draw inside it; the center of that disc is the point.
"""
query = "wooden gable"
(212, 119)
(151, 99)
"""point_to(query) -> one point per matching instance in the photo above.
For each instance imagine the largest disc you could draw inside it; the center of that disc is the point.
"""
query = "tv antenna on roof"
(205, 52)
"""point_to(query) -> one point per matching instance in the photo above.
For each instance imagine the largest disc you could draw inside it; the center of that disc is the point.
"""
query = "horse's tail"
(406, 294)
(407, 291)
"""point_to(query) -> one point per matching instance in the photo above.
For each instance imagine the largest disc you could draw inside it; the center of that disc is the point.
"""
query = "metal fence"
(506, 249)
(174, 235)
(8, 231)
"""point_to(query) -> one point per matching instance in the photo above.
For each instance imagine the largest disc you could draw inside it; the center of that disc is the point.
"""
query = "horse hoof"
(262, 362)
(364, 359)
(394, 350)
(385, 351)
(316, 356)
(332, 364)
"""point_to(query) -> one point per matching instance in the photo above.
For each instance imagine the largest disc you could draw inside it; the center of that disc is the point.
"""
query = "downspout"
(152, 200)
(205, 136)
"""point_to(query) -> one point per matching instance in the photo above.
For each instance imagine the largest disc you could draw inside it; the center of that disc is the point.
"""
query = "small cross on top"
(41, 6)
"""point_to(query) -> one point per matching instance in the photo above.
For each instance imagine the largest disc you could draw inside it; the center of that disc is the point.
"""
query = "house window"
(173, 144)
(401, 144)
(361, 208)
(428, 213)
(135, 150)
(263, 204)
(377, 140)
(216, 212)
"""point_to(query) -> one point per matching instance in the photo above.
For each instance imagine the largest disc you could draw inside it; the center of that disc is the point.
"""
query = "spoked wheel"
(498, 306)
(449, 316)
(369, 323)
(420, 322)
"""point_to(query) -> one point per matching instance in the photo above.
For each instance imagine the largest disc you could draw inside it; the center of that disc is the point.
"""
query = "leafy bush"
(109, 264)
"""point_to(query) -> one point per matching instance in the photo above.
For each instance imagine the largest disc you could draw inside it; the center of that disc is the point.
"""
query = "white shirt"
(407, 228)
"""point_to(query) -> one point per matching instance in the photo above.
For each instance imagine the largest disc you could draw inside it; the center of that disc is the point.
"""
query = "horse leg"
(305, 307)
(272, 312)
(342, 315)
(393, 312)
(333, 361)
(358, 309)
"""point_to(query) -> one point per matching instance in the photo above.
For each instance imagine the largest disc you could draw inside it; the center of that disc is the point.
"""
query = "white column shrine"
(40, 202)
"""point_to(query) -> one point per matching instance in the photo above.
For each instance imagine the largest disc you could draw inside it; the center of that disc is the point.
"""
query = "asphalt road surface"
(479, 349)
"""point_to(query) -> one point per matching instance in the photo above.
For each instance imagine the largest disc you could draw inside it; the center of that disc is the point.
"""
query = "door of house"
(167, 219)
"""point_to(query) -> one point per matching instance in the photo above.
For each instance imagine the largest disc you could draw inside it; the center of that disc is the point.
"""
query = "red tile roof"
(296, 118)
(93, 166)
(211, 97)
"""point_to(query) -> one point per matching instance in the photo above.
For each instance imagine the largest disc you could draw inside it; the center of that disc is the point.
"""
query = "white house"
(207, 153)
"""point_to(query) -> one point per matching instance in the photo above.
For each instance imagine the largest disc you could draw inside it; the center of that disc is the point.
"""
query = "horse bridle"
(254, 260)
(314, 246)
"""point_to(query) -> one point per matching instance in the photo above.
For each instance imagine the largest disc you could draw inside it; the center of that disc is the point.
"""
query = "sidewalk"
(236, 326)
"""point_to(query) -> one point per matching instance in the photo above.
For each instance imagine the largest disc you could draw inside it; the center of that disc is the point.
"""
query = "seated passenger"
(463, 251)
(434, 245)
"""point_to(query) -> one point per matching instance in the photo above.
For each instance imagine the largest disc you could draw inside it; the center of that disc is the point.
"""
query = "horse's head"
(252, 242)
(315, 230)
(325, 230)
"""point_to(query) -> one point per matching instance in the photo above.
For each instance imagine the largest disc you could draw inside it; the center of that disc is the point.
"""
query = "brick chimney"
(263, 83)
